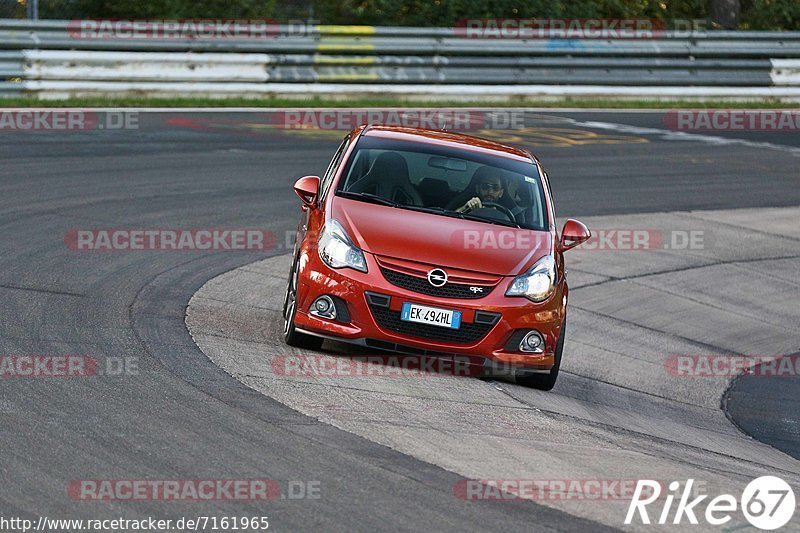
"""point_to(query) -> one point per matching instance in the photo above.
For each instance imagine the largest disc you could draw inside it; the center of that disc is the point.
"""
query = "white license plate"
(423, 314)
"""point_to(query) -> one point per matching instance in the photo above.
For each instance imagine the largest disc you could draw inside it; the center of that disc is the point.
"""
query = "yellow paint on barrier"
(345, 47)
(325, 60)
(345, 30)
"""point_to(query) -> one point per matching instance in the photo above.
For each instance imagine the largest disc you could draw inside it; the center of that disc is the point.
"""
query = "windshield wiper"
(433, 209)
(369, 197)
(506, 223)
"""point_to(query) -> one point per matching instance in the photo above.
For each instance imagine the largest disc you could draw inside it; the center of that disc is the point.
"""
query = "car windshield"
(446, 181)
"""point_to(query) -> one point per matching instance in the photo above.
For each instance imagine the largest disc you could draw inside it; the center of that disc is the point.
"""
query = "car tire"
(545, 381)
(291, 336)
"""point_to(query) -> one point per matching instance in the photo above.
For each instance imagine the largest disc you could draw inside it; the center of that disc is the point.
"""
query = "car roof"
(447, 138)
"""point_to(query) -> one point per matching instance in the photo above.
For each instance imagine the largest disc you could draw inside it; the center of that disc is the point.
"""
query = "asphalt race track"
(381, 452)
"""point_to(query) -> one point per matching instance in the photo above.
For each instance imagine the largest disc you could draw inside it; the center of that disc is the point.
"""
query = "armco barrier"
(46, 59)
(11, 73)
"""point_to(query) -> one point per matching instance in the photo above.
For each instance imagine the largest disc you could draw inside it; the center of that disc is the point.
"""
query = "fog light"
(323, 307)
(532, 342)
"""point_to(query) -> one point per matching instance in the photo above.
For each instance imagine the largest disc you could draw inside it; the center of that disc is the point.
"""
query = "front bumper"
(370, 327)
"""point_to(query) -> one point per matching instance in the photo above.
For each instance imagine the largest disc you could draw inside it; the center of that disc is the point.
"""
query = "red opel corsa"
(432, 243)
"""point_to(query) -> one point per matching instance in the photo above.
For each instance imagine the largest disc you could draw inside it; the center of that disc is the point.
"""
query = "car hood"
(440, 240)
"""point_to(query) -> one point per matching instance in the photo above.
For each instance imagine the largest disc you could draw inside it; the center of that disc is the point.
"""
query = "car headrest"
(434, 191)
(434, 186)
(389, 165)
(520, 191)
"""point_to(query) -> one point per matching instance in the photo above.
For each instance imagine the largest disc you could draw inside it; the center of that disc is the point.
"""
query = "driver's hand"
(471, 205)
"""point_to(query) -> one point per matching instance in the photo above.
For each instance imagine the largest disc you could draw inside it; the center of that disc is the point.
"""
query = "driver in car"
(488, 189)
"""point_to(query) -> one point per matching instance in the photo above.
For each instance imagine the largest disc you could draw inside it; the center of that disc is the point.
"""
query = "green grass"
(390, 102)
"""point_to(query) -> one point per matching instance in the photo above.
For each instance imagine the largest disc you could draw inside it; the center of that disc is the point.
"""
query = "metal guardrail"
(49, 59)
(10, 65)
(10, 89)
(11, 73)
(237, 67)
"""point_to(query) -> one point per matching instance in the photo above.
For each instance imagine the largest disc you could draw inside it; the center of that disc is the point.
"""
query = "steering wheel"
(503, 209)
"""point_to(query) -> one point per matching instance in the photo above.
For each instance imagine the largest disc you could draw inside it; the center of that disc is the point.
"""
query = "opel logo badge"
(437, 277)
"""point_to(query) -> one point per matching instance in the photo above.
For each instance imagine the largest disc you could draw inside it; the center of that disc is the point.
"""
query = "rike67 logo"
(767, 502)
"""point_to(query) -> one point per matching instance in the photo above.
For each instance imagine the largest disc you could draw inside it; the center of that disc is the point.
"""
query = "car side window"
(327, 179)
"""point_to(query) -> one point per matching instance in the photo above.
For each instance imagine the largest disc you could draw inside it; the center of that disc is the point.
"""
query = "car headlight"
(337, 250)
(538, 283)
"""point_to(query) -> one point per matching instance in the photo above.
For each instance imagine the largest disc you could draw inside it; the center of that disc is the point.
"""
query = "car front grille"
(448, 290)
(468, 333)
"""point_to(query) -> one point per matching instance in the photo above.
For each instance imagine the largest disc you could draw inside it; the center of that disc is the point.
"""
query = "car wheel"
(291, 336)
(545, 381)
